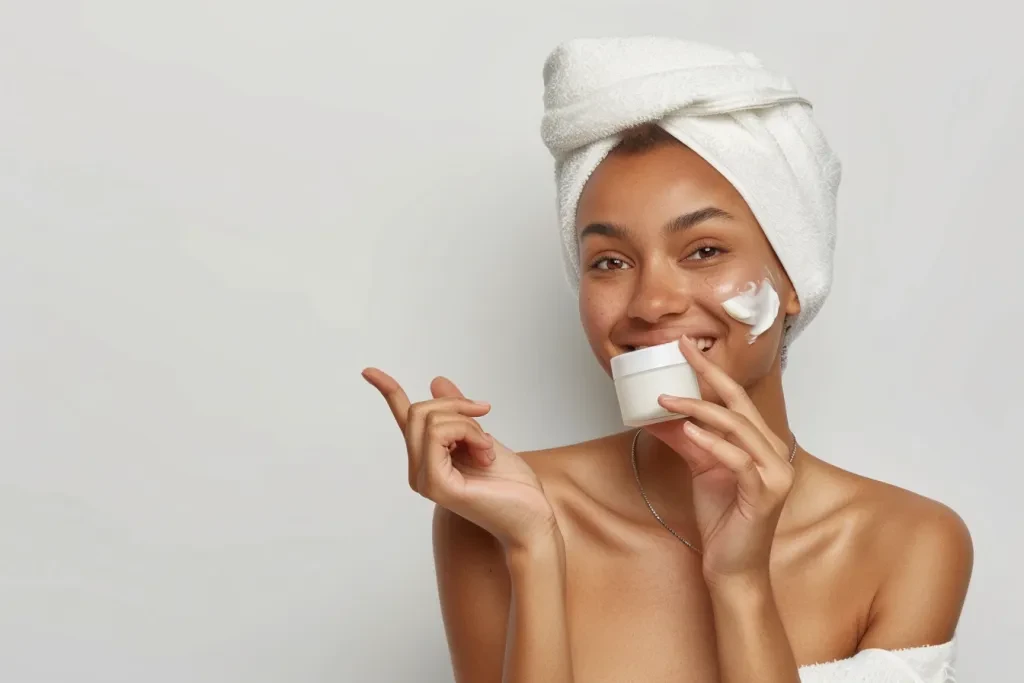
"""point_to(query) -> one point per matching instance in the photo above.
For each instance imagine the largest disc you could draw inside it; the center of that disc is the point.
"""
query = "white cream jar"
(643, 375)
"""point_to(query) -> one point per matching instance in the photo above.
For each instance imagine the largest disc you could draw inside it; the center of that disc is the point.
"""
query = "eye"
(610, 263)
(703, 253)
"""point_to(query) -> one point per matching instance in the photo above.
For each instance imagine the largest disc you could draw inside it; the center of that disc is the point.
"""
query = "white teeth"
(702, 343)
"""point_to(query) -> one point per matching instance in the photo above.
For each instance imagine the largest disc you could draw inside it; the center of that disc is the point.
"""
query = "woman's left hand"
(741, 472)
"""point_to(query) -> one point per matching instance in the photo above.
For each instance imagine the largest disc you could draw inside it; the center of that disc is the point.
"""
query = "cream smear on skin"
(757, 306)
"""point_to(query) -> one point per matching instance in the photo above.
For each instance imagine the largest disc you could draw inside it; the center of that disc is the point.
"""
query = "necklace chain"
(636, 473)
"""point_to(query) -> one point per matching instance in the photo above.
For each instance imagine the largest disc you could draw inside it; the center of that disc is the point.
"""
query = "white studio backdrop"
(214, 214)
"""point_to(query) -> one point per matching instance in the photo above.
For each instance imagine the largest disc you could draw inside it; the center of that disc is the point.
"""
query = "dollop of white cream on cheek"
(757, 306)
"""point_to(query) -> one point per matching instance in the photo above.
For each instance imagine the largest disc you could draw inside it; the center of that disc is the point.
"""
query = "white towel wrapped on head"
(749, 124)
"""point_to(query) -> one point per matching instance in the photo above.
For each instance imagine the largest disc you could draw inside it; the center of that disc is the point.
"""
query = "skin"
(550, 566)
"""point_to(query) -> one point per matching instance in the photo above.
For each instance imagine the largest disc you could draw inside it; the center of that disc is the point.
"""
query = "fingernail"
(482, 403)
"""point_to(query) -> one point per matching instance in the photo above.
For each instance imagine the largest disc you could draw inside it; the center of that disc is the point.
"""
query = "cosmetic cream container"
(643, 375)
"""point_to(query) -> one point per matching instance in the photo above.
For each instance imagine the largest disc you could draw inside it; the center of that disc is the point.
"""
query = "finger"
(418, 412)
(727, 422)
(397, 399)
(438, 477)
(671, 434)
(732, 394)
(717, 378)
(442, 387)
(479, 448)
(748, 477)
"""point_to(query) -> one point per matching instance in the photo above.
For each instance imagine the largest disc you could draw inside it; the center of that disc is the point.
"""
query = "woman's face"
(664, 241)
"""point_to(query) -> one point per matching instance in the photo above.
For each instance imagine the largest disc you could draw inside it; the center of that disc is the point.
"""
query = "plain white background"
(214, 214)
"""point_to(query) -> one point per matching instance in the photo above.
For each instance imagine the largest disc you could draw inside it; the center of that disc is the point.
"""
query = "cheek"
(745, 298)
(729, 281)
(597, 313)
(747, 294)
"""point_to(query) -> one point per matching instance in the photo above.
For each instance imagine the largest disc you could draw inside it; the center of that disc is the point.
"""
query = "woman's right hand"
(456, 464)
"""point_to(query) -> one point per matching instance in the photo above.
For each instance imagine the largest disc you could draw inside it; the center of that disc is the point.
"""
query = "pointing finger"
(397, 399)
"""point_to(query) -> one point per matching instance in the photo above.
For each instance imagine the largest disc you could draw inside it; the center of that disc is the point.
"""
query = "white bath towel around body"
(933, 664)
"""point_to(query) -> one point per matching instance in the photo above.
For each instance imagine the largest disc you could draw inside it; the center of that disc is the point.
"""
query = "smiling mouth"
(704, 344)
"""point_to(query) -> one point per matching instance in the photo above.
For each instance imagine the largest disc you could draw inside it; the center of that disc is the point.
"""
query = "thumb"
(442, 387)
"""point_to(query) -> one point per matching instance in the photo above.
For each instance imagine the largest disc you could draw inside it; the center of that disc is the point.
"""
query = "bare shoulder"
(909, 527)
(923, 555)
(574, 461)
(590, 470)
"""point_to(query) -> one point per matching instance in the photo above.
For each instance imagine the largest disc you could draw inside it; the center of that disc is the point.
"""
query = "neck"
(770, 401)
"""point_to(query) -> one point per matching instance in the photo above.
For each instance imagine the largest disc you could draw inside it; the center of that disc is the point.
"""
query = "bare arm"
(739, 486)
(752, 643)
(921, 600)
(918, 604)
(504, 613)
(497, 547)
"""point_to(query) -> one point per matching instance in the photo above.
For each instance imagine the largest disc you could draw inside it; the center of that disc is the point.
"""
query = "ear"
(792, 303)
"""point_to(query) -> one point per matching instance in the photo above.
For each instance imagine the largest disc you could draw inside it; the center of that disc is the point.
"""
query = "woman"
(710, 548)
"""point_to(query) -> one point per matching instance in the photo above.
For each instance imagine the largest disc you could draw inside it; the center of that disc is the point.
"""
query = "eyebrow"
(677, 224)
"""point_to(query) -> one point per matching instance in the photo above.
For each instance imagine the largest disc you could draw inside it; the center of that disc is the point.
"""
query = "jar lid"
(651, 358)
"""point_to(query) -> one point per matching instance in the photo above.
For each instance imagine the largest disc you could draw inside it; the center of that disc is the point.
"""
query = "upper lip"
(663, 337)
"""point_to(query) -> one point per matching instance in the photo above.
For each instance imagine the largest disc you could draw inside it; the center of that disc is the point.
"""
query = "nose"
(658, 294)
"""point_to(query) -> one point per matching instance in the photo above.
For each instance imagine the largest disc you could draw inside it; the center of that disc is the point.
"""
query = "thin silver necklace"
(636, 473)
